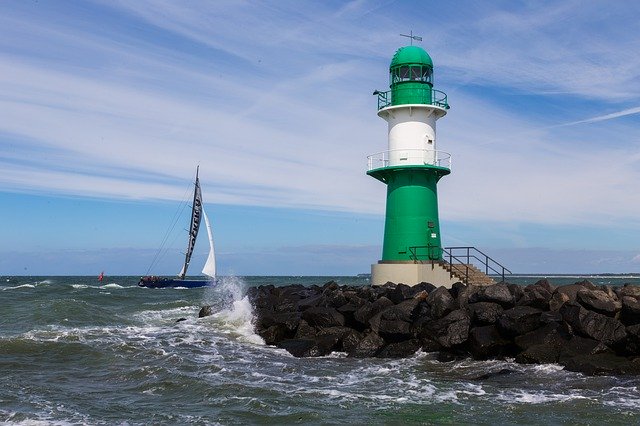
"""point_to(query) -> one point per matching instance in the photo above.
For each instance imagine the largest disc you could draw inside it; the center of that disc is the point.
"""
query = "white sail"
(209, 267)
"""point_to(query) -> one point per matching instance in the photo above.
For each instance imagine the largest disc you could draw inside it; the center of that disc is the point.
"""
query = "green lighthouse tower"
(411, 169)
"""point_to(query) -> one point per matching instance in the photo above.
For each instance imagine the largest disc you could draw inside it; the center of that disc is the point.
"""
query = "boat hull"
(160, 282)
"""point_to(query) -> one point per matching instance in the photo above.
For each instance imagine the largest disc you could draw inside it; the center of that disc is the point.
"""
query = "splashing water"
(233, 312)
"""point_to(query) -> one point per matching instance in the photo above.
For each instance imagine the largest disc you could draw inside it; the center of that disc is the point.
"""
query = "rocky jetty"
(584, 327)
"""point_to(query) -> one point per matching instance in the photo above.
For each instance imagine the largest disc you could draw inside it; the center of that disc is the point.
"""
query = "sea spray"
(233, 313)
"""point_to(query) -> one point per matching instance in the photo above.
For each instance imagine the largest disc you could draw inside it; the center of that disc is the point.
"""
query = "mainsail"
(209, 267)
(196, 217)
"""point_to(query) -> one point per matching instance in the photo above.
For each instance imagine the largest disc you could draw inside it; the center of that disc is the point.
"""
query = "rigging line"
(176, 216)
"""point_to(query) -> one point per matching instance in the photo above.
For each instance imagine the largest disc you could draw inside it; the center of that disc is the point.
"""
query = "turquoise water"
(73, 351)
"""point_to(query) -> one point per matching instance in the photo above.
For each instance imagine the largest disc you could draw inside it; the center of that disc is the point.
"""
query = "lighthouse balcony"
(409, 157)
(421, 96)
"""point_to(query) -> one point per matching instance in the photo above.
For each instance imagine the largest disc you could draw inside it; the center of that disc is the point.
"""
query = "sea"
(77, 351)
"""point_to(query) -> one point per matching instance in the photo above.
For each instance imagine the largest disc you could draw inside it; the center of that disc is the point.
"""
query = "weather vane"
(412, 37)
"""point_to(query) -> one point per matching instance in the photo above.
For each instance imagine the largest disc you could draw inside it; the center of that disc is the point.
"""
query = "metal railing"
(409, 157)
(460, 259)
(426, 96)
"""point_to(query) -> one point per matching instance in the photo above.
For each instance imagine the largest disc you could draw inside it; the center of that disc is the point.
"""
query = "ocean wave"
(19, 286)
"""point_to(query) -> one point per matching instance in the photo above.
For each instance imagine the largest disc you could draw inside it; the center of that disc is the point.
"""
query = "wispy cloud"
(623, 113)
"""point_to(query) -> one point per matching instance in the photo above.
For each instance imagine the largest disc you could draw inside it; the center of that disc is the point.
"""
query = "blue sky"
(106, 107)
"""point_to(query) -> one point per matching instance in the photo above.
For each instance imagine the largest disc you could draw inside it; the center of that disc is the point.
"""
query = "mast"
(196, 216)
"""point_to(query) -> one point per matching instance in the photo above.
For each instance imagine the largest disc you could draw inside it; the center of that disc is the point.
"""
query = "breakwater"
(584, 327)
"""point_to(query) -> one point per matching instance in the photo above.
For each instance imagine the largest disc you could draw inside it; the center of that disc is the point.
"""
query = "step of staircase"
(468, 274)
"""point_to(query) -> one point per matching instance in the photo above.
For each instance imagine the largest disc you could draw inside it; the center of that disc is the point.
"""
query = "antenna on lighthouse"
(412, 37)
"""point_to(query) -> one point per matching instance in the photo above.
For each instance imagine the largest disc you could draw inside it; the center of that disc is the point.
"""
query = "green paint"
(412, 210)
(411, 76)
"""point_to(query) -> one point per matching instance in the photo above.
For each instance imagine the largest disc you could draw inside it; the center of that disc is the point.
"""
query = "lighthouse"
(411, 169)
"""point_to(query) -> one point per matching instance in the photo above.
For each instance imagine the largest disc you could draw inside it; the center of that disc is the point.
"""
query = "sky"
(107, 107)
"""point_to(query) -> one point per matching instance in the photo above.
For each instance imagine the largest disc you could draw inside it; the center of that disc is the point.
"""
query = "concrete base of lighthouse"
(411, 273)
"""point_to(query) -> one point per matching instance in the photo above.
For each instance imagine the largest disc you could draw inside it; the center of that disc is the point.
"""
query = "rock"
(632, 346)
(368, 310)
(485, 313)
(630, 310)
(519, 320)
(450, 331)
(320, 346)
(266, 319)
(603, 364)
(490, 375)
(274, 334)
(486, 342)
(392, 330)
(536, 296)
(544, 283)
(400, 349)
(497, 293)
(350, 340)
(180, 320)
(368, 347)
(630, 290)
(558, 299)
(401, 293)
(598, 301)
(591, 324)
(305, 331)
(517, 292)
(323, 317)
(205, 311)
(404, 311)
(571, 290)
(441, 302)
(543, 345)
(578, 346)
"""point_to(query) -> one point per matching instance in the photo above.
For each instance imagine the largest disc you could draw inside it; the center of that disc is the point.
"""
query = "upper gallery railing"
(409, 157)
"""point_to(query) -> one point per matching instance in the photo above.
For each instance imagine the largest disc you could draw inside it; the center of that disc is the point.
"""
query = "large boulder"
(630, 310)
(487, 342)
(519, 320)
(320, 346)
(607, 330)
(402, 349)
(536, 296)
(496, 293)
(441, 302)
(364, 313)
(323, 317)
(598, 301)
(542, 345)
(450, 331)
(368, 346)
(603, 364)
(485, 313)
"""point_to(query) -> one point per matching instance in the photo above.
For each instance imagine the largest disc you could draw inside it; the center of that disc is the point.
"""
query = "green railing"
(426, 96)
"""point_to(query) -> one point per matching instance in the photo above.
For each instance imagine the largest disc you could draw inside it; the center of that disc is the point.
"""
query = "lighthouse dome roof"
(411, 55)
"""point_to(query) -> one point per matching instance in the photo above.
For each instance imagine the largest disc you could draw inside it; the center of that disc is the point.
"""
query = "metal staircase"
(468, 264)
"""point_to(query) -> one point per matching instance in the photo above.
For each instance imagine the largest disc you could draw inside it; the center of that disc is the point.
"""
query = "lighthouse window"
(404, 72)
(426, 74)
(415, 73)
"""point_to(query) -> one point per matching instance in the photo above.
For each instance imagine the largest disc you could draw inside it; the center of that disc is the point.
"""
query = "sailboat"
(197, 213)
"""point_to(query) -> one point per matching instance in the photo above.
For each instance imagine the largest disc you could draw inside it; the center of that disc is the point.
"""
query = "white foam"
(79, 286)
(112, 285)
(536, 397)
(19, 286)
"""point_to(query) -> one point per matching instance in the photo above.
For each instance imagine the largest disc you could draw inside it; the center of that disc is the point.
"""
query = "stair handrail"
(414, 256)
(485, 260)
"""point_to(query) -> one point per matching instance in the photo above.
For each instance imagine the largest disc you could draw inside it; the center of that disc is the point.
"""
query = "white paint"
(411, 130)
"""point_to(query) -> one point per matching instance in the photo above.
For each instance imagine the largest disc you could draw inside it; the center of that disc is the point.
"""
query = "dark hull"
(157, 282)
